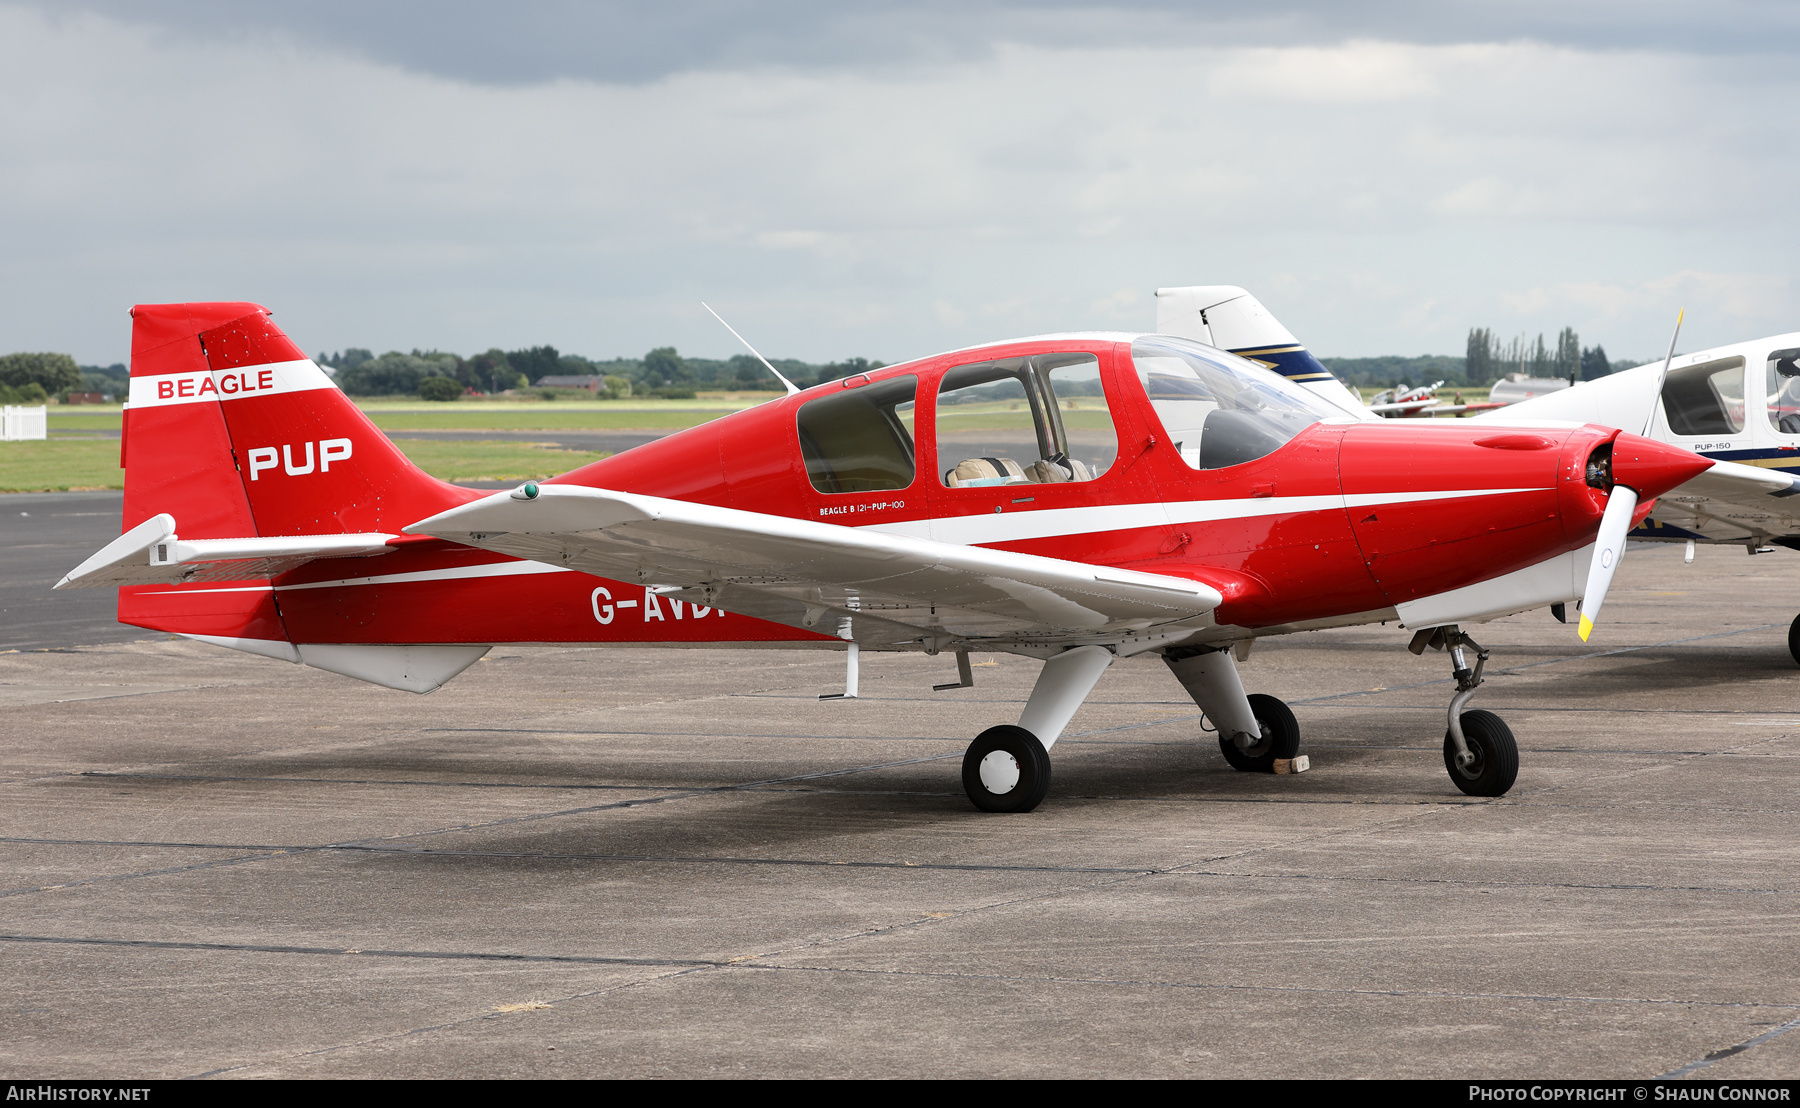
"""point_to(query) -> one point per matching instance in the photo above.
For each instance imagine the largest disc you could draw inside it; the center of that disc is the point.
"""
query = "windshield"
(1219, 409)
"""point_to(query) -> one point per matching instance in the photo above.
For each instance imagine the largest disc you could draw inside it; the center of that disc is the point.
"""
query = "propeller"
(1609, 549)
(1622, 500)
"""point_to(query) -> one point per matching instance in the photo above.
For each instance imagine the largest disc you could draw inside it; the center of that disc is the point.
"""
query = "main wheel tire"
(1496, 764)
(1794, 638)
(1006, 769)
(1280, 737)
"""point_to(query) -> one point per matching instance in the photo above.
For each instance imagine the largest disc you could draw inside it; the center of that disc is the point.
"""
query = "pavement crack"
(435, 955)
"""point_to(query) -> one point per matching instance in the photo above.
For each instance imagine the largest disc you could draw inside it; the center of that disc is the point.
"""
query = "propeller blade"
(1609, 548)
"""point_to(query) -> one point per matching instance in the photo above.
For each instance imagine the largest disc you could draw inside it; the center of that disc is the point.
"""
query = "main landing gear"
(1479, 750)
(1007, 769)
(1257, 734)
(1794, 638)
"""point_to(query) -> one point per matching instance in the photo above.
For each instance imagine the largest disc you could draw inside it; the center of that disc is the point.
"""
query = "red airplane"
(1077, 498)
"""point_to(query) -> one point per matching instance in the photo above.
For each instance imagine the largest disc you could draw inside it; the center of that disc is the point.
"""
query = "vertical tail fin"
(182, 463)
(235, 432)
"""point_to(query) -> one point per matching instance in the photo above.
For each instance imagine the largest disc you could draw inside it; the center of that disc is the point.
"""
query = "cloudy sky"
(892, 179)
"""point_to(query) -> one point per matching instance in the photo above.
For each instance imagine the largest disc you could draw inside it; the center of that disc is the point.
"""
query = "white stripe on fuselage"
(457, 573)
(1048, 523)
(243, 383)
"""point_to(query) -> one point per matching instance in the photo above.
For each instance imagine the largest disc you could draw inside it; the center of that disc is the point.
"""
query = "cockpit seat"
(1047, 472)
(977, 472)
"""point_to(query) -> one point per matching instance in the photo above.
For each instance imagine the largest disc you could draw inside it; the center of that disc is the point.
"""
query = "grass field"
(94, 464)
(547, 418)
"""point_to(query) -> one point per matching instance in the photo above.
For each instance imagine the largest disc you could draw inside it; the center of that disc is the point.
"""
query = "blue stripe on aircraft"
(1655, 529)
(1296, 362)
(1790, 457)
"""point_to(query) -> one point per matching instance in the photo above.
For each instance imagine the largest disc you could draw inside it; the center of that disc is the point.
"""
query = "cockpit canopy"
(1219, 409)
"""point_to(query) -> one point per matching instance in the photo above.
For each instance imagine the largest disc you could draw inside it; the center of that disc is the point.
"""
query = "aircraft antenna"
(791, 387)
(1660, 378)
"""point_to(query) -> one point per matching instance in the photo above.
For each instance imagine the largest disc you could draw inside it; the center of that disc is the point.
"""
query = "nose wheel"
(1479, 749)
(1006, 769)
(1493, 762)
(1279, 738)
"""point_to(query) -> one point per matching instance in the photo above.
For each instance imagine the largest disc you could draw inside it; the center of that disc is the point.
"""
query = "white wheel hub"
(999, 772)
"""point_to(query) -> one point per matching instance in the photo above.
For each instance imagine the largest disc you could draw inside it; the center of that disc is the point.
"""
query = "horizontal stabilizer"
(151, 553)
(860, 584)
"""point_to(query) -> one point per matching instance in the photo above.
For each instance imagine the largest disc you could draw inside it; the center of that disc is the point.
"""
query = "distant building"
(88, 398)
(1515, 387)
(591, 382)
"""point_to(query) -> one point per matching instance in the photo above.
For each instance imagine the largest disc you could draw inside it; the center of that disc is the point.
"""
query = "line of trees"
(1490, 359)
(34, 378)
(660, 372)
(1485, 360)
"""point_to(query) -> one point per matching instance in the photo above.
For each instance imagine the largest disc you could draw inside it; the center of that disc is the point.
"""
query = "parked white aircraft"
(1738, 405)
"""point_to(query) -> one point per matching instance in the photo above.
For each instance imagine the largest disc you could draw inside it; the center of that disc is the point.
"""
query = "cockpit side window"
(1038, 419)
(860, 439)
(1218, 409)
(1705, 399)
(1782, 390)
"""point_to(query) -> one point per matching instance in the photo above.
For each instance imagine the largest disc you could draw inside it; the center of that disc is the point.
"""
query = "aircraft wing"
(878, 589)
(1733, 503)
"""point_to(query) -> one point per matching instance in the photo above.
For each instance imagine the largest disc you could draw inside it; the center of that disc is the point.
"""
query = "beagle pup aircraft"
(1076, 498)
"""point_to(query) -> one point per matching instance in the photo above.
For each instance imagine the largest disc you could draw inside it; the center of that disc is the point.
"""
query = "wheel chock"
(1298, 764)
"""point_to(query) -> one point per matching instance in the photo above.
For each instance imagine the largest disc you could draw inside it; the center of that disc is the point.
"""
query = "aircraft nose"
(1652, 468)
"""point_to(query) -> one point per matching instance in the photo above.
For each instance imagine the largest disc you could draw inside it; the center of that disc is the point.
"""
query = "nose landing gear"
(1479, 750)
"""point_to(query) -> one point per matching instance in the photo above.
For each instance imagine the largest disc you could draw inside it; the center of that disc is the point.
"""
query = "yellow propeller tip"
(1587, 628)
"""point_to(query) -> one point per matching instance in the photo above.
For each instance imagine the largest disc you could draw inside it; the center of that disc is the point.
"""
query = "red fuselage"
(1345, 520)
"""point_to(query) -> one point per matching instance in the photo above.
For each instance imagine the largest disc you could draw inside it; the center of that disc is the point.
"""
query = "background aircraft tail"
(1231, 319)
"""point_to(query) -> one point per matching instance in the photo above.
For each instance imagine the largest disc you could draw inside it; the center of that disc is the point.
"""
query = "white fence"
(24, 423)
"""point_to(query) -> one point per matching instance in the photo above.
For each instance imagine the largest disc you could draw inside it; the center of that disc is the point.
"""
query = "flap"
(876, 588)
